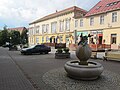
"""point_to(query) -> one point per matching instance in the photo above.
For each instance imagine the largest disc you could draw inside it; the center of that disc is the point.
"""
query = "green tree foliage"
(24, 37)
(4, 36)
(14, 37)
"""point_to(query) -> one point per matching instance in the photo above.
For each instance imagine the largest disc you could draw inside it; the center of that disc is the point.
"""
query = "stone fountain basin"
(84, 72)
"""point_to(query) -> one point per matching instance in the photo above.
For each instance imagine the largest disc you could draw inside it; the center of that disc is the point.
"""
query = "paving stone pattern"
(23, 72)
(11, 78)
(59, 80)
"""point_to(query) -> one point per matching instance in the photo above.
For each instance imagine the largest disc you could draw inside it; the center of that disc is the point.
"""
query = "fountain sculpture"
(83, 69)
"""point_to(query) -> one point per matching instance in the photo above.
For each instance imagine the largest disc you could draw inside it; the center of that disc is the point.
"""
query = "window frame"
(43, 28)
(47, 27)
(54, 27)
(81, 22)
(114, 17)
(76, 23)
(102, 19)
(91, 21)
(114, 38)
(67, 24)
(61, 26)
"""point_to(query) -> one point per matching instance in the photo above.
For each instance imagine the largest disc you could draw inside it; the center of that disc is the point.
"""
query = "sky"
(19, 13)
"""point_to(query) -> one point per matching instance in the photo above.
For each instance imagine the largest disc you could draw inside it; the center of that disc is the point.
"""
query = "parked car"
(36, 49)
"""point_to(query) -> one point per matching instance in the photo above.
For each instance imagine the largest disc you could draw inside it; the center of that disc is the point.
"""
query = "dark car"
(36, 49)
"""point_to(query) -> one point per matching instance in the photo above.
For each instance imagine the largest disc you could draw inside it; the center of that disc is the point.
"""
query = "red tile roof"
(104, 6)
(17, 28)
(71, 9)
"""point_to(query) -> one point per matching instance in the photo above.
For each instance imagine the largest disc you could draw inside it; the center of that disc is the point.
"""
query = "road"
(25, 72)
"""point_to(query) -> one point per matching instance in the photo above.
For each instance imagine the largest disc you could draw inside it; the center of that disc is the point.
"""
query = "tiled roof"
(17, 28)
(71, 9)
(104, 6)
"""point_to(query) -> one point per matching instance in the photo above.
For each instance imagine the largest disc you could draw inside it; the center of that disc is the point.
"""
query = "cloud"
(16, 12)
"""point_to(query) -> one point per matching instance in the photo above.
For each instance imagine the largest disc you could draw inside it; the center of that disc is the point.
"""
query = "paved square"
(20, 72)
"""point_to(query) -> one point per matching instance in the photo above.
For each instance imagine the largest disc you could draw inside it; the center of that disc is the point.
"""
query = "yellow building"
(55, 28)
(102, 23)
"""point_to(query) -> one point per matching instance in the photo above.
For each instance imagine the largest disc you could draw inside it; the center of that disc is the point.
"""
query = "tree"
(24, 37)
(4, 36)
(15, 37)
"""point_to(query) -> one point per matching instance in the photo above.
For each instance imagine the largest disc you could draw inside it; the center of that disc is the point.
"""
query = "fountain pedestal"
(83, 69)
(84, 72)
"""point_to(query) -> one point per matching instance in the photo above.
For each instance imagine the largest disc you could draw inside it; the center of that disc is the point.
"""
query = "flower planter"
(62, 55)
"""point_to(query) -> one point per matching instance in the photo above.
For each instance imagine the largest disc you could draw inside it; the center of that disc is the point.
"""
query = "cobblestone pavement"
(11, 77)
(25, 72)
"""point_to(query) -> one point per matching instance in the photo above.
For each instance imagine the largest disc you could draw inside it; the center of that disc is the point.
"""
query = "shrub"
(66, 50)
(59, 50)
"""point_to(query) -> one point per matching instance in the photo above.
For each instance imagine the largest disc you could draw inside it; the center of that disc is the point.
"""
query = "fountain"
(83, 69)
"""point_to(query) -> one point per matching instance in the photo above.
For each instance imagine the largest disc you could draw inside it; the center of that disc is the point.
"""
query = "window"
(42, 39)
(102, 19)
(98, 7)
(114, 17)
(61, 26)
(47, 27)
(54, 27)
(113, 38)
(61, 39)
(81, 22)
(91, 21)
(32, 31)
(47, 39)
(43, 29)
(67, 39)
(37, 29)
(37, 40)
(76, 23)
(67, 27)
(111, 4)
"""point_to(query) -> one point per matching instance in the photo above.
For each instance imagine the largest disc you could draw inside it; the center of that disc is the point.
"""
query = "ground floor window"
(113, 38)
(67, 39)
(47, 39)
(42, 39)
(37, 40)
(61, 39)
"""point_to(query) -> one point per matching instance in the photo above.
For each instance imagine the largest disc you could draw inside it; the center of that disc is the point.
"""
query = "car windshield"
(32, 46)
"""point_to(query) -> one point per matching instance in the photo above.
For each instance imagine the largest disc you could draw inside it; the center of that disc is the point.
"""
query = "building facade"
(102, 23)
(55, 28)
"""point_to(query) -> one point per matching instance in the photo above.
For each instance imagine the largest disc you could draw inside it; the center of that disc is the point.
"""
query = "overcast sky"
(17, 13)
